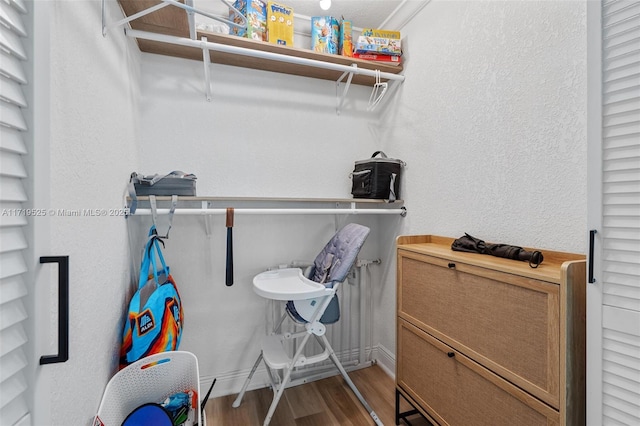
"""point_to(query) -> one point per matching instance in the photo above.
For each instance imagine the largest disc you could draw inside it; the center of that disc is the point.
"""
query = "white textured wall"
(492, 117)
(93, 147)
(263, 134)
(492, 122)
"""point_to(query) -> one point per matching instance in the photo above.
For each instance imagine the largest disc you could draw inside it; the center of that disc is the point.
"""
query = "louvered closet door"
(13, 220)
(619, 235)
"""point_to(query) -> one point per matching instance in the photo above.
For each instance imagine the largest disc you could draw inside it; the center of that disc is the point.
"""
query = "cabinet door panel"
(508, 323)
(456, 391)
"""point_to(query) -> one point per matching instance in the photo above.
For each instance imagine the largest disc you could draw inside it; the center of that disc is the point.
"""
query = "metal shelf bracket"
(206, 58)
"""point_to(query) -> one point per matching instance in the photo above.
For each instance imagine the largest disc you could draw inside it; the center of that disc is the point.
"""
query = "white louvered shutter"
(620, 239)
(13, 197)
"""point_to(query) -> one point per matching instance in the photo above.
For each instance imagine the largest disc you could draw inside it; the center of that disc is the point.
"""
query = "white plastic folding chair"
(311, 301)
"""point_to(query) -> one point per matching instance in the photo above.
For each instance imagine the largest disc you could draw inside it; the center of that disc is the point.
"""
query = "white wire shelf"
(171, 31)
(204, 206)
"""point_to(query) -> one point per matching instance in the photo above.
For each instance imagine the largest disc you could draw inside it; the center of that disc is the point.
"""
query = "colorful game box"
(256, 13)
(374, 41)
(384, 46)
(346, 39)
(279, 24)
(371, 32)
(325, 31)
(390, 59)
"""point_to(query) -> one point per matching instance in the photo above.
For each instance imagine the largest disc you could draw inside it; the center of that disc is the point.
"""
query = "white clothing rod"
(248, 211)
(258, 54)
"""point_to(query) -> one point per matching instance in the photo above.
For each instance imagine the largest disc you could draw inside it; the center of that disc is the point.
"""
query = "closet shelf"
(275, 200)
(187, 205)
(173, 22)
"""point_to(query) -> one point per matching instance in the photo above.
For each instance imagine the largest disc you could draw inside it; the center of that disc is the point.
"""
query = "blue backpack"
(155, 318)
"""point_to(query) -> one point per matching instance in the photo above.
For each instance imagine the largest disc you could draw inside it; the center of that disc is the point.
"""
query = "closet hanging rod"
(402, 211)
(182, 41)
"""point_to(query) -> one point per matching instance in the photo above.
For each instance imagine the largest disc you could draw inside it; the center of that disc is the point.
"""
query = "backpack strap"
(154, 213)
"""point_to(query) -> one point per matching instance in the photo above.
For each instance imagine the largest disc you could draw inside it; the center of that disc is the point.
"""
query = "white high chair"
(312, 301)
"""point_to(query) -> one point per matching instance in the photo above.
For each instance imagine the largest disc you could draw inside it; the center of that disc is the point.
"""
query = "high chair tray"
(287, 284)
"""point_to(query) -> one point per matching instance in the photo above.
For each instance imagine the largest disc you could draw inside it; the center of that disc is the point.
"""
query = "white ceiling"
(387, 14)
(361, 13)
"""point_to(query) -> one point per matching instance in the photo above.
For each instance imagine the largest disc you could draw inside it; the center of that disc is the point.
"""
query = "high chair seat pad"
(287, 284)
(338, 256)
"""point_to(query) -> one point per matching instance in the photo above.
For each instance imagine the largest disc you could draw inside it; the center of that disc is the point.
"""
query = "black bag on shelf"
(377, 178)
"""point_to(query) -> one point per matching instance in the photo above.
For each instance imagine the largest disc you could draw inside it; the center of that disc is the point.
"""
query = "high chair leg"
(347, 379)
(238, 399)
(276, 329)
(285, 380)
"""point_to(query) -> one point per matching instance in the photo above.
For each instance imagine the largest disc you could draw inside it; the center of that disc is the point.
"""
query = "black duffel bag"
(377, 177)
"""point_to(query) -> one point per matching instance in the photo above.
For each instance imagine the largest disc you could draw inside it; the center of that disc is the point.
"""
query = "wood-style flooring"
(324, 402)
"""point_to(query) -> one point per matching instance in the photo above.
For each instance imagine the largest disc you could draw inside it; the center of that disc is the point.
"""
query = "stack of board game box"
(379, 45)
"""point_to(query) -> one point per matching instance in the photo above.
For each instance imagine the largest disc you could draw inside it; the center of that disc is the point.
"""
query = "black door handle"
(592, 237)
(63, 310)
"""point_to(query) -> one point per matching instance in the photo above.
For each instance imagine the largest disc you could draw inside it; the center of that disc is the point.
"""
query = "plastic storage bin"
(151, 379)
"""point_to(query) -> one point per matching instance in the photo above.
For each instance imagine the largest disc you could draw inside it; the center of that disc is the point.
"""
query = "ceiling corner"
(403, 14)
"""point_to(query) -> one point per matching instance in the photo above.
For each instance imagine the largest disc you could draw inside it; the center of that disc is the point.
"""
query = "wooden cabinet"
(484, 340)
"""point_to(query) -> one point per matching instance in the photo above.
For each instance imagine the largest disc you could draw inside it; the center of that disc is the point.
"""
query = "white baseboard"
(386, 360)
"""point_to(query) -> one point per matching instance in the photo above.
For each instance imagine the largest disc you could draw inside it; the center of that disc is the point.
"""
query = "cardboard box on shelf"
(377, 41)
(325, 32)
(386, 46)
(255, 11)
(387, 59)
(279, 24)
(346, 39)
(372, 32)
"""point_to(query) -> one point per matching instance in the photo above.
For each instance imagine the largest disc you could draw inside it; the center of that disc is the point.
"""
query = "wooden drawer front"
(508, 323)
(462, 392)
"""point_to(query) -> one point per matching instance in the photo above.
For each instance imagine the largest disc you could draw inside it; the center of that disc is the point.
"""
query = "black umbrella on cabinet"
(471, 244)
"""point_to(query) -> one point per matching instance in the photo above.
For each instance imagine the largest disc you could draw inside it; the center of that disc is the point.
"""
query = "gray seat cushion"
(332, 266)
